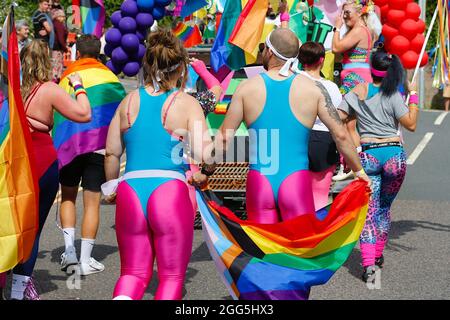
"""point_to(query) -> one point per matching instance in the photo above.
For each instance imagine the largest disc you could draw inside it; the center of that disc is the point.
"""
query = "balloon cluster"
(403, 30)
(125, 41)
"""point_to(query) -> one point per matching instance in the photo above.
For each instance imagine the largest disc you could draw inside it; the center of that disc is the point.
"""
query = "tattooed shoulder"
(328, 103)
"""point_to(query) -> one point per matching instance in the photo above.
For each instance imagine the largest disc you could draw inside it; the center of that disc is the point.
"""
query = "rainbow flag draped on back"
(283, 261)
(90, 14)
(105, 92)
(18, 178)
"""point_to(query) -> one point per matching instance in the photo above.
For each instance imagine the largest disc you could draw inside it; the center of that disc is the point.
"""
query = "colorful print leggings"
(386, 166)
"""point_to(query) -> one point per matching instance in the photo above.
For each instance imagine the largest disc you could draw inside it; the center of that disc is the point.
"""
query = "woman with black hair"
(379, 108)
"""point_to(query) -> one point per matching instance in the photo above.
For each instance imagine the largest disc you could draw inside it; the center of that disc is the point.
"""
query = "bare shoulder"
(307, 85)
(188, 102)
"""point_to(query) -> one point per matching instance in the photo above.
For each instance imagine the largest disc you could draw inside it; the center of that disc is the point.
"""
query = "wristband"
(80, 92)
(76, 83)
(359, 173)
(413, 99)
(285, 17)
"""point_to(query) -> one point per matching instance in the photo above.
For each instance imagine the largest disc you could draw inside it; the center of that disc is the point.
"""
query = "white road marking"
(441, 118)
(420, 147)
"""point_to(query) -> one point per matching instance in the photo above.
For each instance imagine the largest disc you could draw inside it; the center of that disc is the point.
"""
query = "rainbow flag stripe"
(191, 36)
(283, 261)
(19, 191)
(92, 15)
(105, 92)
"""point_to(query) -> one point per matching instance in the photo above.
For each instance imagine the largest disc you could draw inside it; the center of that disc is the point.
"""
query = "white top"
(335, 95)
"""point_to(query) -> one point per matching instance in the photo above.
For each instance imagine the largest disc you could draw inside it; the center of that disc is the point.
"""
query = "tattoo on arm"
(329, 103)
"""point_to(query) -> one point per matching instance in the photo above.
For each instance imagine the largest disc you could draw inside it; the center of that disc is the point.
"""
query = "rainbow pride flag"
(19, 190)
(190, 36)
(90, 15)
(283, 261)
(105, 92)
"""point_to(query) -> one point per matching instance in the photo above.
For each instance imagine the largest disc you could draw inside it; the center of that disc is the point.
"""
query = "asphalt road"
(417, 256)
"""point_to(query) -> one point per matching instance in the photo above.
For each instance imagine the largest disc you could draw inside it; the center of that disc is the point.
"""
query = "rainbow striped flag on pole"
(283, 261)
(190, 36)
(19, 190)
(90, 15)
(105, 92)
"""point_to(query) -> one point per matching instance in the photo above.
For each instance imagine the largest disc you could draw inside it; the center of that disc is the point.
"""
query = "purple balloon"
(113, 67)
(127, 25)
(139, 55)
(119, 56)
(113, 36)
(109, 49)
(130, 43)
(129, 8)
(145, 5)
(131, 69)
(115, 18)
(158, 13)
(144, 20)
(162, 3)
(141, 35)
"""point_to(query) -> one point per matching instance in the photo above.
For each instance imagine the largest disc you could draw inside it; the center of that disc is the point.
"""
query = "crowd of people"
(155, 205)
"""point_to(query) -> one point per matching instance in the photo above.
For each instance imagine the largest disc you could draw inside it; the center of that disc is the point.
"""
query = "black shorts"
(322, 151)
(88, 168)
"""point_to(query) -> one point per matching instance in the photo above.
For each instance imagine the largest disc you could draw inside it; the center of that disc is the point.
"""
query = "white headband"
(291, 63)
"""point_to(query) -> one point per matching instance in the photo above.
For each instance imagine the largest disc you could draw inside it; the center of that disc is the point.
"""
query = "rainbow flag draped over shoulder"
(91, 15)
(283, 261)
(19, 190)
(105, 92)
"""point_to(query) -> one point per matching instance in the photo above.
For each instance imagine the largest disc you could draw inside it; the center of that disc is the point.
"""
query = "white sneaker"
(342, 176)
(93, 266)
(69, 258)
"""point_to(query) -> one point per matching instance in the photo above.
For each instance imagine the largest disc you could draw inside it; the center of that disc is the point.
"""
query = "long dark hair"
(396, 74)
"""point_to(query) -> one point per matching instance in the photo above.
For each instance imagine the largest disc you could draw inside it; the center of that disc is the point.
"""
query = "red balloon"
(408, 28)
(417, 43)
(424, 61)
(384, 12)
(420, 26)
(396, 17)
(399, 45)
(398, 4)
(389, 32)
(413, 11)
(381, 3)
(409, 59)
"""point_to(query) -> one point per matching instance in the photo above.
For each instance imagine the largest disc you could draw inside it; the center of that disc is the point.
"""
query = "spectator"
(42, 23)
(60, 46)
(23, 33)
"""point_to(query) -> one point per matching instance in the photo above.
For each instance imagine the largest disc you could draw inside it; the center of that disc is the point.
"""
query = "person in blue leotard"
(279, 108)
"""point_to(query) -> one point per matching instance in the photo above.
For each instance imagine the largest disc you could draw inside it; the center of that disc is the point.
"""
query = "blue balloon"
(115, 18)
(130, 43)
(162, 3)
(127, 25)
(145, 5)
(158, 13)
(129, 8)
(113, 67)
(131, 69)
(113, 37)
(139, 55)
(141, 35)
(119, 56)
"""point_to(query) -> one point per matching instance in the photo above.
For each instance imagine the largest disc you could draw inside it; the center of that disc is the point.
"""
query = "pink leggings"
(167, 234)
(321, 182)
(295, 197)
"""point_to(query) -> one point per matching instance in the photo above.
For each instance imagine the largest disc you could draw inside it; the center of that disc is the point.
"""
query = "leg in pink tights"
(135, 245)
(172, 222)
(321, 182)
(261, 206)
(295, 197)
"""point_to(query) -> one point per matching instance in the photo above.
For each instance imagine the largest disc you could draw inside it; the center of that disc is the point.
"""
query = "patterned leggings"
(386, 166)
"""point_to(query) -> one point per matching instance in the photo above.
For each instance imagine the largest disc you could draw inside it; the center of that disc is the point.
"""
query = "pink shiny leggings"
(295, 197)
(321, 182)
(166, 234)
